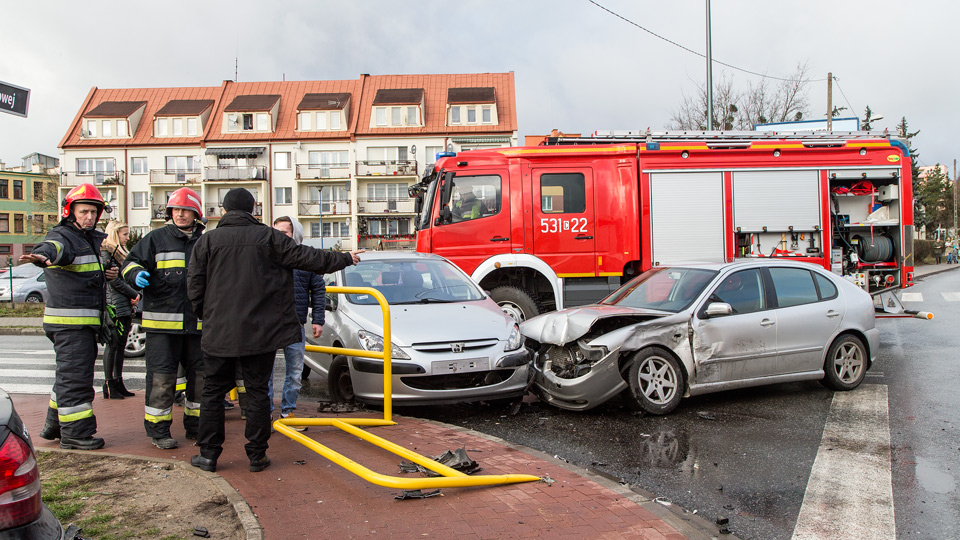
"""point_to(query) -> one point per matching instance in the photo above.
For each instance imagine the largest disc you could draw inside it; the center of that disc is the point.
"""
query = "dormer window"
(471, 106)
(111, 119)
(251, 113)
(397, 107)
(322, 112)
(182, 118)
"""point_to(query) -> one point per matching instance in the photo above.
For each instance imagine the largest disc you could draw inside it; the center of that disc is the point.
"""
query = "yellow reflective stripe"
(83, 321)
(130, 267)
(53, 404)
(191, 412)
(157, 419)
(172, 264)
(162, 325)
(199, 325)
(181, 386)
(59, 248)
(89, 267)
(88, 413)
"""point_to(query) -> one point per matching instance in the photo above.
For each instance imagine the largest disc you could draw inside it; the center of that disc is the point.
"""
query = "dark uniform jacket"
(240, 283)
(75, 281)
(166, 254)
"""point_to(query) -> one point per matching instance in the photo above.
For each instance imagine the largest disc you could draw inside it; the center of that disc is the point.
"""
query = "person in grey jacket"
(239, 282)
(122, 297)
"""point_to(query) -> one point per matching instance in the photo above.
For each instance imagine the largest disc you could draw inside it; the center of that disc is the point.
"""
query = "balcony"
(99, 178)
(395, 205)
(403, 167)
(315, 171)
(231, 173)
(405, 242)
(344, 243)
(215, 211)
(158, 212)
(325, 208)
(174, 176)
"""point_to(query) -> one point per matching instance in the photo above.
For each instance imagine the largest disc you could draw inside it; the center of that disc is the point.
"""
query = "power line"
(844, 96)
(701, 55)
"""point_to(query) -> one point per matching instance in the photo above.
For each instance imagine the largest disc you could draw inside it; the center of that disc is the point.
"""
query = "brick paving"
(321, 500)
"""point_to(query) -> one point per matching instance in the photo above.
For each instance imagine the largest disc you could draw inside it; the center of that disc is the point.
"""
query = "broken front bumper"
(587, 391)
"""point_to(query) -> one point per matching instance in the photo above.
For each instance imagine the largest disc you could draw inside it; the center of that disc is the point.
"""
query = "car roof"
(743, 263)
(398, 255)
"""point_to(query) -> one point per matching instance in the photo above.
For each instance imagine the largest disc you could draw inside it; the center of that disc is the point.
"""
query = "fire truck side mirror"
(446, 216)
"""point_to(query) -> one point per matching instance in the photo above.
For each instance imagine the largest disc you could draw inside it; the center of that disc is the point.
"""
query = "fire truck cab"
(566, 223)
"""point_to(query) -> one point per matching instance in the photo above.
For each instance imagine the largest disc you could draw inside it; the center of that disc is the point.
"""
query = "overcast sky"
(577, 67)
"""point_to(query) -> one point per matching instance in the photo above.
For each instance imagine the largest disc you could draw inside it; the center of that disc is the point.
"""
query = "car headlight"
(515, 339)
(372, 342)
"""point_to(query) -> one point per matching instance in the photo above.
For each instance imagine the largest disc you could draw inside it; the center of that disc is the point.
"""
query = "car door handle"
(766, 322)
(499, 239)
(583, 238)
(831, 314)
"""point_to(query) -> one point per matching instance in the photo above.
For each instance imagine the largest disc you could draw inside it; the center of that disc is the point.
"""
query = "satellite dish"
(413, 149)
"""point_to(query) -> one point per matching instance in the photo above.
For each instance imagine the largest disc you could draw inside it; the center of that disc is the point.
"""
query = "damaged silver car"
(679, 331)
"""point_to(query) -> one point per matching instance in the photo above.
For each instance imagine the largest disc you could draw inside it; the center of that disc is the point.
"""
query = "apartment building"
(338, 155)
(28, 205)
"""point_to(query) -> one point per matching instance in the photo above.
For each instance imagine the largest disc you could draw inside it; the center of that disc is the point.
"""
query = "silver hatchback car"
(451, 342)
(677, 331)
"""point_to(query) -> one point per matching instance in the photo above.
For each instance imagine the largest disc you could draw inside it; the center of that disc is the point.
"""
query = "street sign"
(14, 99)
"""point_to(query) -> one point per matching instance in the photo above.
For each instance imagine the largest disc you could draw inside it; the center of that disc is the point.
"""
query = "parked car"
(450, 341)
(22, 512)
(28, 285)
(677, 331)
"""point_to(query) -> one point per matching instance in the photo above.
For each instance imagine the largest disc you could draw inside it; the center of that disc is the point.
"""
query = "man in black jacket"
(158, 264)
(241, 284)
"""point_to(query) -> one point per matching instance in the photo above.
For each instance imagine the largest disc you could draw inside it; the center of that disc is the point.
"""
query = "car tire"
(136, 342)
(656, 380)
(516, 302)
(339, 382)
(34, 298)
(846, 364)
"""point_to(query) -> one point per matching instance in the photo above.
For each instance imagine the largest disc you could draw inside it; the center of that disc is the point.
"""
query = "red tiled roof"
(115, 109)
(185, 107)
(323, 102)
(252, 102)
(472, 95)
(398, 96)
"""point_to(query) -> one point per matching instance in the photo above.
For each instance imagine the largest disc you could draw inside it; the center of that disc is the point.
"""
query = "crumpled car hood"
(564, 326)
(413, 323)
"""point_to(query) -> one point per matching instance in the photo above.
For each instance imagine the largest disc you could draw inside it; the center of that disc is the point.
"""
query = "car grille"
(459, 380)
(447, 346)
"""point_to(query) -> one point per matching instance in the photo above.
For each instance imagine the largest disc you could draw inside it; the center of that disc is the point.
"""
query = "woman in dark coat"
(123, 297)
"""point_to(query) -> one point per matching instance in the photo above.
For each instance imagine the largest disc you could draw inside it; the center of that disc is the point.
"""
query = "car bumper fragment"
(594, 388)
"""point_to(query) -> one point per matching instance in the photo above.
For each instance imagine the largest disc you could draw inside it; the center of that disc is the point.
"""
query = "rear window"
(794, 286)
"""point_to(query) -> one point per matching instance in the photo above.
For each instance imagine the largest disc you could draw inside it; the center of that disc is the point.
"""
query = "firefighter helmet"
(185, 198)
(84, 193)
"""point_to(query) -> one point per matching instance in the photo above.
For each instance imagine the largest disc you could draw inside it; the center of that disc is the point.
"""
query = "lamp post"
(709, 74)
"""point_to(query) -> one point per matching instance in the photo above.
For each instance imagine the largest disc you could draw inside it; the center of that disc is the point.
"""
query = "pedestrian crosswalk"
(33, 371)
(918, 297)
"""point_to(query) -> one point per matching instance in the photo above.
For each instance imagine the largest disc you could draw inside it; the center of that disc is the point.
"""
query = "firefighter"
(158, 264)
(70, 257)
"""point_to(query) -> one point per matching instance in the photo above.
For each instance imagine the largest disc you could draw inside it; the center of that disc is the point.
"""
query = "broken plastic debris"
(202, 532)
(707, 415)
(416, 494)
(663, 500)
(300, 462)
(547, 480)
(456, 459)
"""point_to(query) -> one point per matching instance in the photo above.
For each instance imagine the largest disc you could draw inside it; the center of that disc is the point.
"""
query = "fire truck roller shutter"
(776, 200)
(687, 217)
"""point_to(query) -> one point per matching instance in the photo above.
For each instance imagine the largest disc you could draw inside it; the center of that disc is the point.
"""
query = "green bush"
(923, 251)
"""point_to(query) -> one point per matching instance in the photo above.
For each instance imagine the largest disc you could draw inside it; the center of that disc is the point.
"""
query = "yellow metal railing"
(449, 477)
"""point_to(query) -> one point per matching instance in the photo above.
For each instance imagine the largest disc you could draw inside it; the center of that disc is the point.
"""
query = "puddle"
(933, 478)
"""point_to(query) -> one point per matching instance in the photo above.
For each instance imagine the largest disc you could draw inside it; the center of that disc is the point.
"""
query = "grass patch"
(20, 310)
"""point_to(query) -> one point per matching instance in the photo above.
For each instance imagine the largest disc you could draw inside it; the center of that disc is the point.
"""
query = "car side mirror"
(718, 309)
(331, 303)
(446, 216)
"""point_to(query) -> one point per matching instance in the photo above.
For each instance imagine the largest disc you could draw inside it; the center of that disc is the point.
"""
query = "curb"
(25, 331)
(248, 519)
(693, 526)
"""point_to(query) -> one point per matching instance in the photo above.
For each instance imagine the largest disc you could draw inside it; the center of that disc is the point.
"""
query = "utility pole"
(830, 101)
(709, 74)
(956, 228)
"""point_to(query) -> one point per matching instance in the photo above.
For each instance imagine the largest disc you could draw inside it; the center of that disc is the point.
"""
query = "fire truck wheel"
(656, 380)
(338, 380)
(846, 364)
(516, 302)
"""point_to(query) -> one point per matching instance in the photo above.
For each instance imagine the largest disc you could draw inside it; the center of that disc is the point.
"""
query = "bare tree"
(759, 104)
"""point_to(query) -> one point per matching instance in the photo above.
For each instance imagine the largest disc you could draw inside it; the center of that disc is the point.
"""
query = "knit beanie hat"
(239, 199)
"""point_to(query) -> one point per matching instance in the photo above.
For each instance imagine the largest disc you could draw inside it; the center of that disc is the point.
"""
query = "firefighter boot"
(50, 430)
(84, 443)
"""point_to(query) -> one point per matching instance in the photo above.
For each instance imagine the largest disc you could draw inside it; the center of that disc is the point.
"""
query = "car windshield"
(414, 281)
(662, 288)
(26, 271)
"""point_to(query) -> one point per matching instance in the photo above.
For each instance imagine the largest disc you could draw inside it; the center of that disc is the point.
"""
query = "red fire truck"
(566, 223)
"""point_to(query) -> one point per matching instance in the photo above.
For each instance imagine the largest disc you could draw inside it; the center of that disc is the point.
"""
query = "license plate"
(446, 367)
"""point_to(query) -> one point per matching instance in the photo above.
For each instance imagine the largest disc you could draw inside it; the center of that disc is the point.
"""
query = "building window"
(192, 127)
(471, 115)
(385, 227)
(487, 116)
(387, 153)
(454, 115)
(248, 122)
(37, 226)
(4, 189)
(232, 122)
(4, 223)
(6, 249)
(138, 165)
(381, 116)
(140, 199)
(38, 188)
(305, 121)
(413, 116)
(18, 223)
(314, 230)
(396, 114)
(91, 128)
(281, 160)
(334, 119)
(175, 164)
(107, 128)
(431, 153)
(122, 128)
(386, 192)
(263, 122)
(178, 127)
(18, 190)
(162, 127)
(335, 229)
(283, 195)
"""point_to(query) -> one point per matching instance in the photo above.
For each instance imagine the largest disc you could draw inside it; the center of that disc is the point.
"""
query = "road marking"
(951, 296)
(7, 374)
(35, 388)
(850, 491)
(911, 297)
